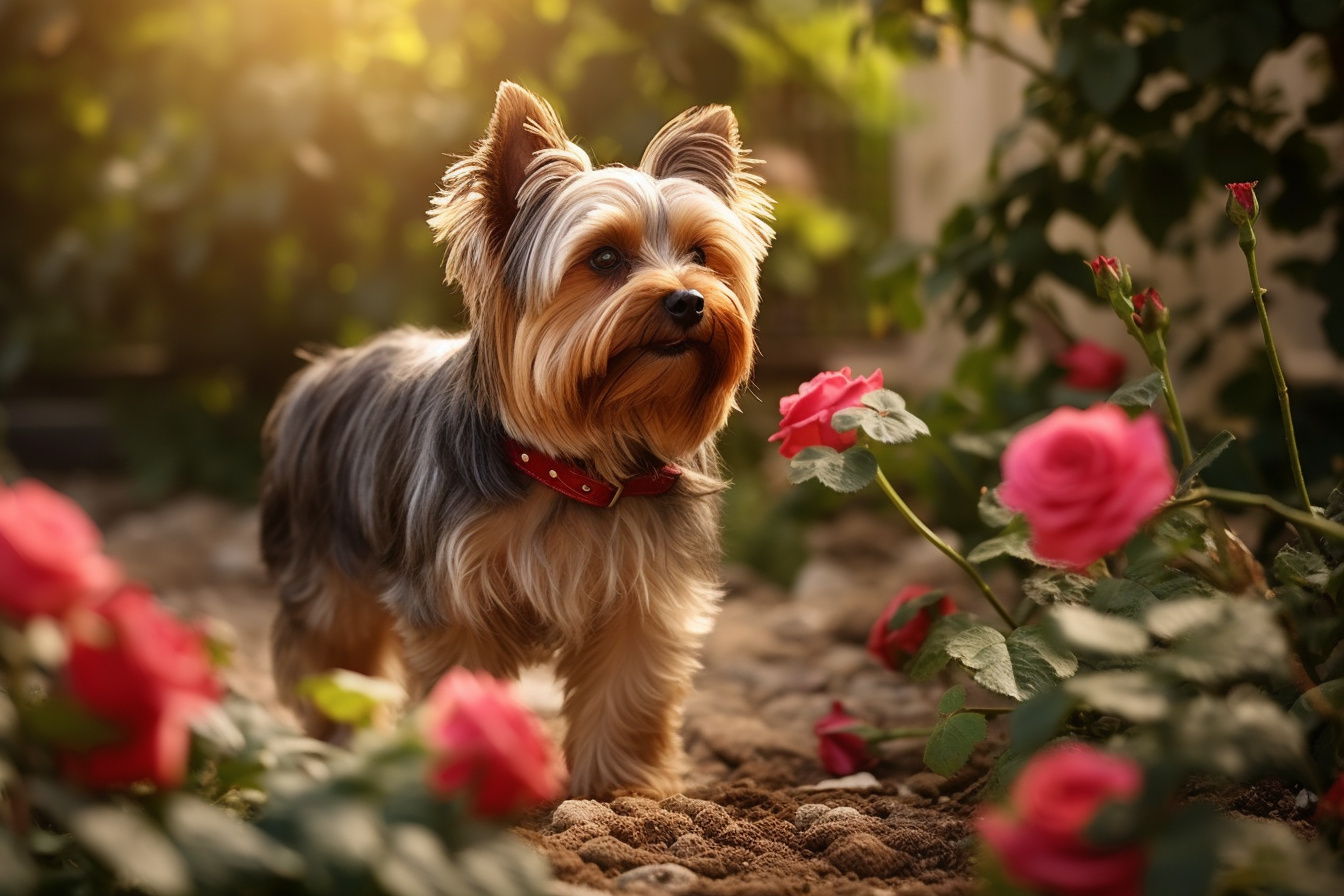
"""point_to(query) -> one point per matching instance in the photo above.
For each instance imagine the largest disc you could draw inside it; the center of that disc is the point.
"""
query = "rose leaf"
(1088, 631)
(952, 742)
(932, 655)
(1217, 445)
(846, 471)
(1139, 393)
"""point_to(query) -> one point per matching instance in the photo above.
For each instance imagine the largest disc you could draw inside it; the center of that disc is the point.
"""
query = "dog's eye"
(605, 260)
(698, 255)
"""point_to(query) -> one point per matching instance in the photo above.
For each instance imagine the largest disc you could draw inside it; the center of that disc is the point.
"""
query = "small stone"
(859, 781)
(1305, 799)
(809, 814)
(573, 812)
(663, 878)
(925, 784)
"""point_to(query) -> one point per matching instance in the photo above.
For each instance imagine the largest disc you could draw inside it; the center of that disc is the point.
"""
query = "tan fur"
(391, 517)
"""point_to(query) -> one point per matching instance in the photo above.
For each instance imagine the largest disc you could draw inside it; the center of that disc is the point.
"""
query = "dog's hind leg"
(328, 622)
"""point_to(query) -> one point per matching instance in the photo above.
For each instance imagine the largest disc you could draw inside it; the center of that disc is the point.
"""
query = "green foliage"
(844, 471)
(953, 740)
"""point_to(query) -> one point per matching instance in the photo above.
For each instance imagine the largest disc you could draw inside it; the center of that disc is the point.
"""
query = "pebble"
(663, 878)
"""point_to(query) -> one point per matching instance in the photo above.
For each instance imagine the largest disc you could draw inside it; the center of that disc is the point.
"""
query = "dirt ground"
(758, 815)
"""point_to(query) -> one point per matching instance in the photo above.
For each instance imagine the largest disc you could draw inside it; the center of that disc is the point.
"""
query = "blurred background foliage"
(193, 188)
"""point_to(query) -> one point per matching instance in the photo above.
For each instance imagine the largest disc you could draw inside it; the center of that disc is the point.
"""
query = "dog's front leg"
(624, 689)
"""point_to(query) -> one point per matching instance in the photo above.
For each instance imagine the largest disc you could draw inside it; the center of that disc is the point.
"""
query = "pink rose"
(50, 554)
(485, 740)
(1244, 194)
(892, 647)
(842, 752)
(1090, 365)
(807, 415)
(1039, 839)
(136, 666)
(1086, 480)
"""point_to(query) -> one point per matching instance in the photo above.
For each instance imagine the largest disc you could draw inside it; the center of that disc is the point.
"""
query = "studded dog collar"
(572, 482)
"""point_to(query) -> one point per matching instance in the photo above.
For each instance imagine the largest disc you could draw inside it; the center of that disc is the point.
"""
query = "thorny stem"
(947, 549)
(1174, 410)
(1247, 243)
(1304, 521)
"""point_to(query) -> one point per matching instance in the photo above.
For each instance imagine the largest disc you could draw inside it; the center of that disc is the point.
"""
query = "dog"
(546, 485)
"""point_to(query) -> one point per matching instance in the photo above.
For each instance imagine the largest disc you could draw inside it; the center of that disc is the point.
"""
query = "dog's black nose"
(685, 306)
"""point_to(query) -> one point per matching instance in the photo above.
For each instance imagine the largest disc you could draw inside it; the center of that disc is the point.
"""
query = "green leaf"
(1107, 72)
(1038, 663)
(222, 850)
(953, 741)
(121, 837)
(1217, 445)
(1019, 666)
(850, 418)
(1297, 567)
(1134, 696)
(932, 655)
(1184, 859)
(1051, 588)
(984, 651)
(349, 697)
(1014, 541)
(1036, 722)
(987, 445)
(1139, 393)
(908, 610)
(844, 472)
(991, 509)
(953, 700)
(883, 417)
(1323, 702)
(61, 722)
(1088, 631)
(1243, 641)
(1243, 736)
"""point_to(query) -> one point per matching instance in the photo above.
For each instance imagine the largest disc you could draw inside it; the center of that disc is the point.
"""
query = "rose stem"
(948, 550)
(1246, 240)
(1174, 409)
(1328, 528)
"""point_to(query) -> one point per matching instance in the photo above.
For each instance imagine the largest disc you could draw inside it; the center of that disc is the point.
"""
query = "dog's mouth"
(671, 349)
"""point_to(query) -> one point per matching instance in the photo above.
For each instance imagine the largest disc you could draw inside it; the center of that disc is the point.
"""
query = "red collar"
(572, 482)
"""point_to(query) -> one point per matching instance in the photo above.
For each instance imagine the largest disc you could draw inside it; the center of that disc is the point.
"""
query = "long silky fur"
(395, 527)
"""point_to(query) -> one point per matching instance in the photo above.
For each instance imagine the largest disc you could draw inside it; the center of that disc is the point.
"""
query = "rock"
(808, 814)
(663, 878)
(574, 812)
(860, 781)
(867, 856)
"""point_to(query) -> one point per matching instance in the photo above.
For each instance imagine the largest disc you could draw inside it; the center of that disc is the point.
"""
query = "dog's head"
(614, 305)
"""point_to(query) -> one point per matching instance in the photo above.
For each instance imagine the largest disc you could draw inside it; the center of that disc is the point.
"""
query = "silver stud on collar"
(553, 474)
(524, 458)
(585, 488)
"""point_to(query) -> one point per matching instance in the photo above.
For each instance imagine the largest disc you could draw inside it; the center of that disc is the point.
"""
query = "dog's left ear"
(703, 145)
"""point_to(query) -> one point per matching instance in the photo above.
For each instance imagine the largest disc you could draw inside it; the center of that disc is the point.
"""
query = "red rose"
(1089, 365)
(807, 415)
(891, 647)
(1332, 801)
(485, 740)
(1105, 265)
(1039, 839)
(147, 674)
(1150, 314)
(842, 752)
(50, 554)
(1086, 480)
(1244, 194)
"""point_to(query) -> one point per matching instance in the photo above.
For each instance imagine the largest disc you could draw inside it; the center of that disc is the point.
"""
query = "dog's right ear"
(524, 154)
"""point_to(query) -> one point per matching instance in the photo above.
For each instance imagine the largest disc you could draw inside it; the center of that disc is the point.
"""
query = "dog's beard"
(622, 388)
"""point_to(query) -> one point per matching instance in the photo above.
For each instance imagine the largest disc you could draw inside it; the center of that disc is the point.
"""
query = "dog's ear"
(524, 153)
(703, 145)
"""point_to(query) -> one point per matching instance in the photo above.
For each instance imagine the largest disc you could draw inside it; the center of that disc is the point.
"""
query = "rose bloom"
(1039, 841)
(1086, 480)
(807, 415)
(136, 666)
(1107, 263)
(50, 554)
(890, 647)
(484, 740)
(1090, 365)
(841, 752)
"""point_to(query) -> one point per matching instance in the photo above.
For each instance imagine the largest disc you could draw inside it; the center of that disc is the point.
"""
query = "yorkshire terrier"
(545, 485)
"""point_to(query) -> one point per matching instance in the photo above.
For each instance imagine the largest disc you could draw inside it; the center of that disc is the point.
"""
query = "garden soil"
(759, 815)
